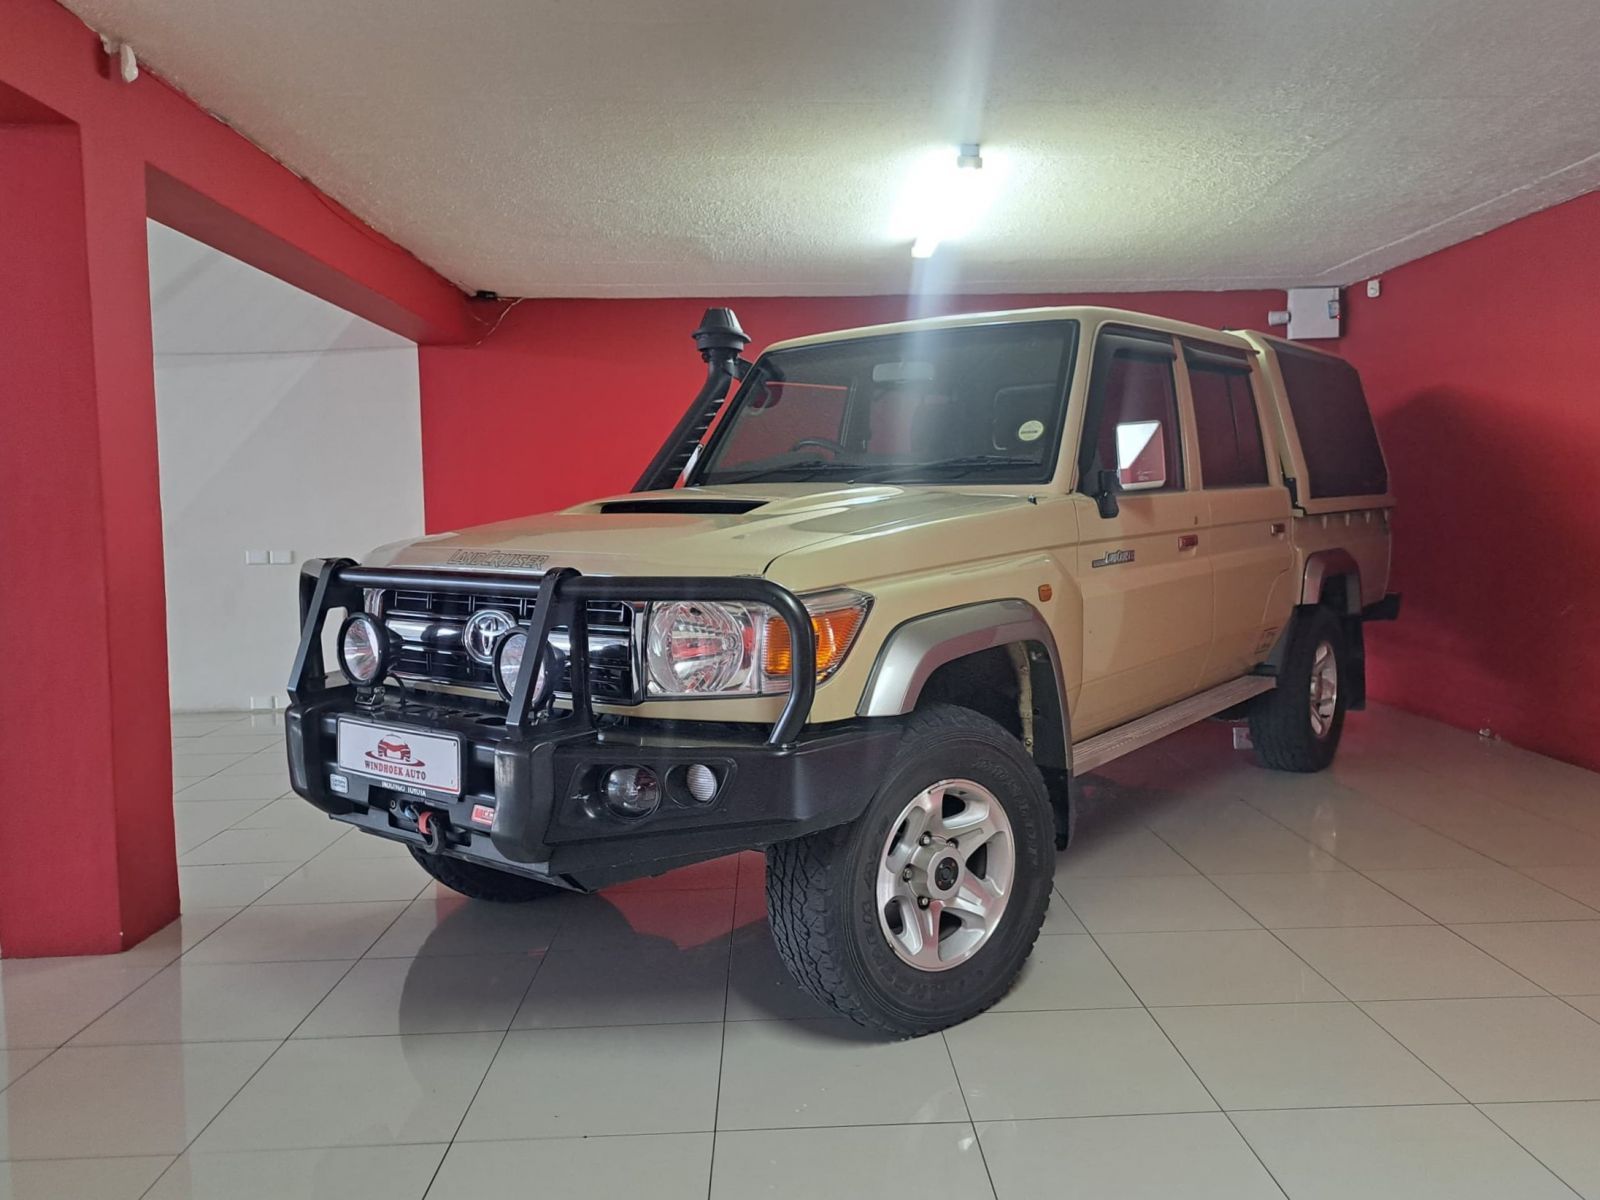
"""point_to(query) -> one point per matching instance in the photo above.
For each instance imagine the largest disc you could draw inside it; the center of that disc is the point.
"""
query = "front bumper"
(535, 791)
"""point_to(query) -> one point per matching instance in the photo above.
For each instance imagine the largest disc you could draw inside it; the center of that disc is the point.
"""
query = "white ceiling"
(736, 147)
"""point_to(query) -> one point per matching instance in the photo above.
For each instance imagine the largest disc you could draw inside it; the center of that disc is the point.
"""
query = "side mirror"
(1107, 483)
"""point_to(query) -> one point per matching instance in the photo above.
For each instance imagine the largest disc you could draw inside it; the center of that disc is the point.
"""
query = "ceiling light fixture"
(945, 200)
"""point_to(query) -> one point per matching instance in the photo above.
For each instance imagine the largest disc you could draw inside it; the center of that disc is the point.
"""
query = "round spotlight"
(632, 792)
(508, 655)
(364, 649)
(701, 782)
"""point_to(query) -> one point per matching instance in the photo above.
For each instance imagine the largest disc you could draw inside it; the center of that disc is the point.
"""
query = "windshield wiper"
(810, 468)
(964, 464)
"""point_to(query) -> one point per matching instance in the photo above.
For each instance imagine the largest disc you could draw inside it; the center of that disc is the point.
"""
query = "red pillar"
(87, 863)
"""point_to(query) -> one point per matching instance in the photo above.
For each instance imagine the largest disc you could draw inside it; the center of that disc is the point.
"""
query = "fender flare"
(916, 648)
(1331, 564)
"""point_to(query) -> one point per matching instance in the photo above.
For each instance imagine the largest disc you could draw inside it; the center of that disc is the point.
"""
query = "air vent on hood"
(693, 505)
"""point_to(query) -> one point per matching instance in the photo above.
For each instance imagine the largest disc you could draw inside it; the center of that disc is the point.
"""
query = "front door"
(1143, 570)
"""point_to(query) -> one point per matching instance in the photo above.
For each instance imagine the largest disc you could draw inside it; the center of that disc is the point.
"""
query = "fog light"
(632, 792)
(701, 781)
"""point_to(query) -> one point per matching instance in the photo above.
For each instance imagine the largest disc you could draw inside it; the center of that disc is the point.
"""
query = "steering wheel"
(821, 443)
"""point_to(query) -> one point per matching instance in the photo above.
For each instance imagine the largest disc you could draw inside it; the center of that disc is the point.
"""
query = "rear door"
(1247, 510)
(1146, 585)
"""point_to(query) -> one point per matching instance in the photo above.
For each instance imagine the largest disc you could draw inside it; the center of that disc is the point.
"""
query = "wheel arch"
(1332, 567)
(916, 649)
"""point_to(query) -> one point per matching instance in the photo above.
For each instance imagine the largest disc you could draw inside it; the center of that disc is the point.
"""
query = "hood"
(701, 531)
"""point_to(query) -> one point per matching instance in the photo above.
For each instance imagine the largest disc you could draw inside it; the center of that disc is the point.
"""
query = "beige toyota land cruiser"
(874, 614)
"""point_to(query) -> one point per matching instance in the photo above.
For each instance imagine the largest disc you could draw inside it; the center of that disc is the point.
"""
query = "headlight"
(697, 648)
(509, 653)
(364, 649)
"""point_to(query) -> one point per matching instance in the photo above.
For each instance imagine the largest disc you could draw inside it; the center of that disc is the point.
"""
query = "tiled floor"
(1383, 981)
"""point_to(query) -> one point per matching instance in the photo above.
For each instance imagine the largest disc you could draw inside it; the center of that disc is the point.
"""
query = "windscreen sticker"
(1030, 431)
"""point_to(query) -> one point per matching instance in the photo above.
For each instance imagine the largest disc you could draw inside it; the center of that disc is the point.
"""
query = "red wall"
(568, 399)
(1483, 364)
(84, 725)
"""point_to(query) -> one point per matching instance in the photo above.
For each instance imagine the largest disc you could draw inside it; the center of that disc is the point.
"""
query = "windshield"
(933, 406)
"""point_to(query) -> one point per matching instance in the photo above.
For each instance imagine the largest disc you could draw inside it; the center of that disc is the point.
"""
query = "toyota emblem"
(482, 631)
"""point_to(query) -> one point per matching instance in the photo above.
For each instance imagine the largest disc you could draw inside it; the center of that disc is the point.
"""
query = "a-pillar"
(87, 861)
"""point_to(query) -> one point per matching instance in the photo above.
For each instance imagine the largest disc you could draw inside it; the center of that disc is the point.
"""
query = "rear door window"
(1226, 423)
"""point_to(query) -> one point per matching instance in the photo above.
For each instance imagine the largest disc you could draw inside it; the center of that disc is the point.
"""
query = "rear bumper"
(531, 800)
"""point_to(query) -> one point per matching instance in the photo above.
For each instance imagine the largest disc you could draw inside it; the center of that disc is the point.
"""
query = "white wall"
(285, 424)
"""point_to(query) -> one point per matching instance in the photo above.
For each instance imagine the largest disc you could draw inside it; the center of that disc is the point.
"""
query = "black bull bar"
(561, 599)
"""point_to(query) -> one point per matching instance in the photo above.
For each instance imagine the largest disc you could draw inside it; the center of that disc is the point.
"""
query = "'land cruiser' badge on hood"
(499, 558)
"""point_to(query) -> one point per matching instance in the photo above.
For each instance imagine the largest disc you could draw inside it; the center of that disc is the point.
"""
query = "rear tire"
(845, 903)
(1297, 725)
(479, 882)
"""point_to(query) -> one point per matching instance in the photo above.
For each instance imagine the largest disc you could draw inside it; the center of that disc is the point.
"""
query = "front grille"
(429, 624)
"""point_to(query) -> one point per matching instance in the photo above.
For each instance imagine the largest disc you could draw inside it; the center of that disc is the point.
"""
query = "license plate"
(401, 756)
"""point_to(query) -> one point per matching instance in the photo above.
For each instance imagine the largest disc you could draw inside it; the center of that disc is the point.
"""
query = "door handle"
(1188, 541)
(1278, 528)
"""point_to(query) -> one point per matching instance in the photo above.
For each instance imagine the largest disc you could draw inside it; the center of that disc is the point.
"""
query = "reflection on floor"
(1381, 981)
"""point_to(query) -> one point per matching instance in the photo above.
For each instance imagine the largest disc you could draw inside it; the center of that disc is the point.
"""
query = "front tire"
(478, 882)
(1297, 725)
(920, 913)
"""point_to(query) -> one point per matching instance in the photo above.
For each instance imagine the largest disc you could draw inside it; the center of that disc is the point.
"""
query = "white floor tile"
(1067, 971)
(1372, 850)
(375, 880)
(290, 932)
(80, 1178)
(1153, 904)
(1564, 1136)
(1420, 1153)
(662, 1166)
(217, 1002)
(262, 846)
(15, 1063)
(341, 1173)
(639, 983)
(1580, 883)
(423, 995)
(784, 1074)
(1298, 1056)
(1537, 1048)
(1130, 851)
(197, 822)
(1016, 1066)
(219, 787)
(621, 1079)
(437, 924)
(1562, 956)
(1315, 899)
(1214, 967)
(1198, 1156)
(1405, 962)
(365, 1091)
(875, 1161)
(233, 885)
(136, 1100)
(44, 1001)
(1490, 893)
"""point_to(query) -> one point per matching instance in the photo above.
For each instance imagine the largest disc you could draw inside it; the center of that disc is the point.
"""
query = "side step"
(1125, 739)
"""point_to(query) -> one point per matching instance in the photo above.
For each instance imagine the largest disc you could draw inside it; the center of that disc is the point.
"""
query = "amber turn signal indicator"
(835, 629)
